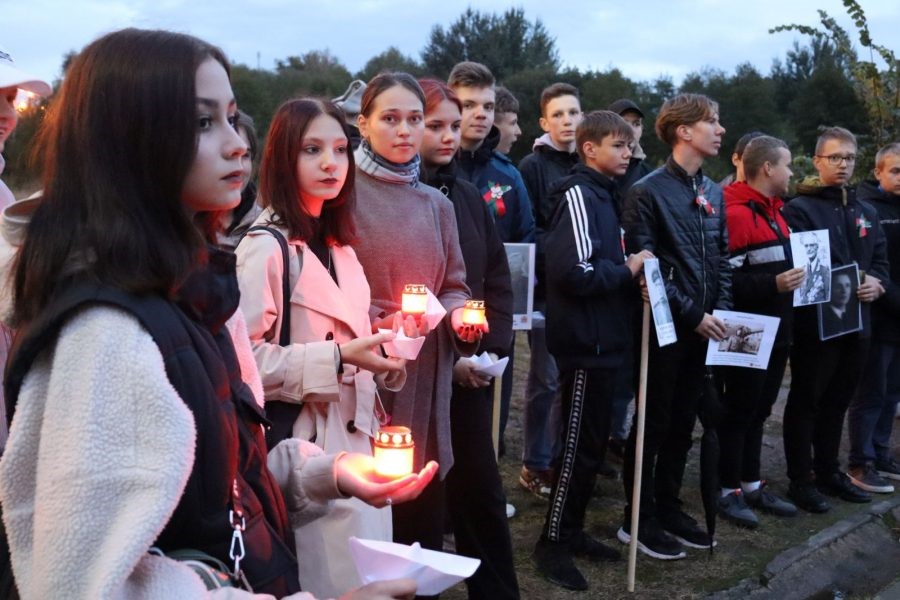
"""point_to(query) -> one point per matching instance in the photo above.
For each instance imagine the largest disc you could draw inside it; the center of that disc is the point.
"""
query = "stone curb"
(816, 543)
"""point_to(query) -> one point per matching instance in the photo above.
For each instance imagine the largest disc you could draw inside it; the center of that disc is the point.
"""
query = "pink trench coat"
(322, 314)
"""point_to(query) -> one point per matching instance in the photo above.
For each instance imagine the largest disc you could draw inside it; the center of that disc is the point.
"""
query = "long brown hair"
(115, 150)
(279, 183)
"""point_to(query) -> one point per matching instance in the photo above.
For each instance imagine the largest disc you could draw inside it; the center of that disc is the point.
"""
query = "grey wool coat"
(406, 235)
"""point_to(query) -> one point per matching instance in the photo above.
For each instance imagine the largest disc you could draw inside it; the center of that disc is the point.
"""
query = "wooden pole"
(495, 424)
(639, 448)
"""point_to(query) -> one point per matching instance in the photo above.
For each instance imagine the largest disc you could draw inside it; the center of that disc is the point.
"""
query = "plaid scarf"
(381, 168)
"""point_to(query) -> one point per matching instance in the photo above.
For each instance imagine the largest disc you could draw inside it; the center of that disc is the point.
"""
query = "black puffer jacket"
(662, 214)
(854, 235)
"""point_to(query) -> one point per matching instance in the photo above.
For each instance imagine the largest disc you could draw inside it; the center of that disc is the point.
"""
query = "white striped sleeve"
(578, 215)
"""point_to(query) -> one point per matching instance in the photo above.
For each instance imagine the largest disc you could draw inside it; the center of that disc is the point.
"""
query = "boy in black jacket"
(825, 374)
(677, 213)
(871, 415)
(587, 333)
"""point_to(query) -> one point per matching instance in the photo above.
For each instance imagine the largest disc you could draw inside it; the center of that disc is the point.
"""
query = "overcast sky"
(644, 39)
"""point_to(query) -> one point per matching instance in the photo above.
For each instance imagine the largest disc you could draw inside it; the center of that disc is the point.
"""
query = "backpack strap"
(282, 414)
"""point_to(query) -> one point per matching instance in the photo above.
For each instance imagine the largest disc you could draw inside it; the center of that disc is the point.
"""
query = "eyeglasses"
(836, 159)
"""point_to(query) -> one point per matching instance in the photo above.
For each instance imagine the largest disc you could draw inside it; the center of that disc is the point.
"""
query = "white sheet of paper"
(816, 288)
(402, 346)
(748, 340)
(434, 572)
(434, 311)
(487, 367)
(659, 303)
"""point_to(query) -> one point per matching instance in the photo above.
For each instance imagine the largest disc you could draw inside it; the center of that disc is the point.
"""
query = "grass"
(740, 553)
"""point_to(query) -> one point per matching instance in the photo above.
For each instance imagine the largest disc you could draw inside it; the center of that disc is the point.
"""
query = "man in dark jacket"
(677, 213)
(637, 165)
(870, 418)
(825, 374)
(552, 157)
(763, 282)
(588, 331)
(496, 178)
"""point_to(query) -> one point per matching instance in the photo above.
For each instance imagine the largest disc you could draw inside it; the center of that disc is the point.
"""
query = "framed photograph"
(812, 251)
(659, 303)
(521, 272)
(748, 342)
(842, 314)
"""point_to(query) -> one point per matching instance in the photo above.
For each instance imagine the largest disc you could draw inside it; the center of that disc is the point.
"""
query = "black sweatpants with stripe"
(586, 396)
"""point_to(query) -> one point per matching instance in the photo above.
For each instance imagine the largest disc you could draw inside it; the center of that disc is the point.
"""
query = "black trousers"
(747, 400)
(824, 378)
(586, 396)
(675, 376)
(475, 499)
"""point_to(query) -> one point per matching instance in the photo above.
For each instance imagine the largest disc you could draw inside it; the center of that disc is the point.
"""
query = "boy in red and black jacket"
(763, 279)
(587, 333)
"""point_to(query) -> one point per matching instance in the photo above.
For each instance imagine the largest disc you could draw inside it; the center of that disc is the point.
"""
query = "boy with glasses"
(825, 374)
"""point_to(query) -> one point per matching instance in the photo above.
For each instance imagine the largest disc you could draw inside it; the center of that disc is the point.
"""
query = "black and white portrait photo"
(841, 315)
(811, 250)
(521, 272)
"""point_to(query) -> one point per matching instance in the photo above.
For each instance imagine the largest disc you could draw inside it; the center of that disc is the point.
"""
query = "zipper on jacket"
(702, 242)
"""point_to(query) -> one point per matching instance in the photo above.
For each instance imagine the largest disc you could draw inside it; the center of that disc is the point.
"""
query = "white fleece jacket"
(98, 455)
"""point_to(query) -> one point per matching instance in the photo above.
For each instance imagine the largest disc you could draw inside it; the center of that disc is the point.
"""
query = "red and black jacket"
(760, 249)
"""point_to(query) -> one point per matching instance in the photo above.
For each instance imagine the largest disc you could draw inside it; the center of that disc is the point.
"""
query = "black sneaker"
(806, 496)
(685, 529)
(554, 562)
(838, 484)
(762, 499)
(867, 478)
(591, 548)
(888, 467)
(733, 508)
(653, 541)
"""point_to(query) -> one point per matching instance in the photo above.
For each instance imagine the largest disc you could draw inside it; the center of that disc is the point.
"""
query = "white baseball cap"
(11, 76)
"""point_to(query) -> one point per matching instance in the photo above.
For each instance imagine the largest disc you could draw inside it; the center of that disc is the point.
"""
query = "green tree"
(877, 89)
(390, 60)
(506, 43)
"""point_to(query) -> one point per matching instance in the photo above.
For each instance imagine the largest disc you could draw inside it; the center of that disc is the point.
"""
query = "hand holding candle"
(469, 321)
(357, 476)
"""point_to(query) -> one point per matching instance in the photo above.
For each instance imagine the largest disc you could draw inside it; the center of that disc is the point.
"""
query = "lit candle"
(394, 451)
(414, 299)
(473, 312)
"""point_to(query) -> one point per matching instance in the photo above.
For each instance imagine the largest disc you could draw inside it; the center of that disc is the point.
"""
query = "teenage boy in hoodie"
(506, 119)
(825, 374)
(677, 213)
(637, 168)
(763, 279)
(552, 157)
(588, 332)
(871, 414)
(497, 180)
